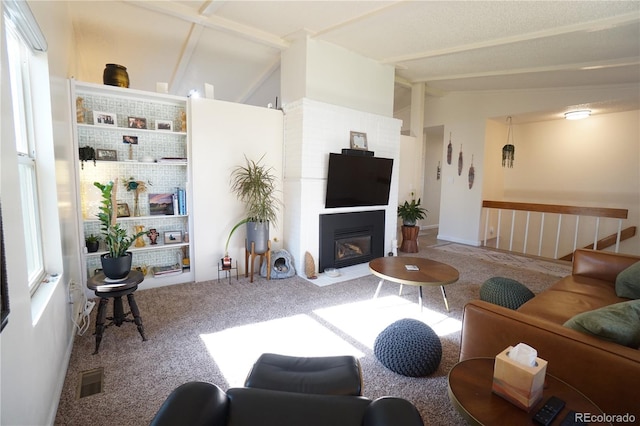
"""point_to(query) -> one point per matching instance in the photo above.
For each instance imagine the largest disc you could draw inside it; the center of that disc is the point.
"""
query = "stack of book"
(180, 201)
(172, 160)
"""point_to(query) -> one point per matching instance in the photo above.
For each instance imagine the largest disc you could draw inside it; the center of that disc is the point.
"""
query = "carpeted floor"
(213, 331)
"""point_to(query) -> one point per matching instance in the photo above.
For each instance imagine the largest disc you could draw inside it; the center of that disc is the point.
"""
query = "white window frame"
(20, 53)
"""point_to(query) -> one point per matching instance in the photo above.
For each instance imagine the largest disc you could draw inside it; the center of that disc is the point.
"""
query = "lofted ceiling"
(448, 45)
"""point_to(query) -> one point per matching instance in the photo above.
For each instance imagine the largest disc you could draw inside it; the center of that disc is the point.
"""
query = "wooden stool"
(253, 255)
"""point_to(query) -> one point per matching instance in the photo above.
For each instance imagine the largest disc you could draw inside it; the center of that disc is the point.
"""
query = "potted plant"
(116, 263)
(411, 212)
(255, 185)
(92, 242)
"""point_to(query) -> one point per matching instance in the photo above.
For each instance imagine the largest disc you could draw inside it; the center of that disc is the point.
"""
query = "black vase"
(116, 268)
(115, 75)
(92, 246)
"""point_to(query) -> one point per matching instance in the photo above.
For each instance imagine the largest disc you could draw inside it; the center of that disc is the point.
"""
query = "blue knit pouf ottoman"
(505, 292)
(409, 347)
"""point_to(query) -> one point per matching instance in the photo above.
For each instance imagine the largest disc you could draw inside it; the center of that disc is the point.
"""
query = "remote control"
(570, 420)
(549, 411)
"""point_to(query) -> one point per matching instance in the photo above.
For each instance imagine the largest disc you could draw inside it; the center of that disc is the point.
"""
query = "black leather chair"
(200, 404)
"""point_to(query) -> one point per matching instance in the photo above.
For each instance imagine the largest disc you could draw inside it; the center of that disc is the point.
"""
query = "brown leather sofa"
(606, 372)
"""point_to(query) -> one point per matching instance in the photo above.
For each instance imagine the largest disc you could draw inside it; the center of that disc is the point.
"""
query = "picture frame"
(106, 155)
(358, 140)
(161, 204)
(123, 210)
(173, 237)
(131, 140)
(108, 119)
(164, 125)
(137, 122)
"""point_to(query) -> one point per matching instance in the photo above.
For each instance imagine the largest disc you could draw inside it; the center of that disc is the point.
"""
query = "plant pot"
(92, 246)
(116, 268)
(258, 233)
(407, 222)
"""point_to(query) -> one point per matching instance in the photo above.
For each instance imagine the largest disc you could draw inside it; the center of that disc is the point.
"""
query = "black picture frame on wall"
(4, 287)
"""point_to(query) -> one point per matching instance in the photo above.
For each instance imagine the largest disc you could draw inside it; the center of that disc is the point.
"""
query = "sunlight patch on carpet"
(364, 320)
(236, 349)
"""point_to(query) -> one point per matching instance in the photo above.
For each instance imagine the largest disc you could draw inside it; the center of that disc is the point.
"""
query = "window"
(19, 55)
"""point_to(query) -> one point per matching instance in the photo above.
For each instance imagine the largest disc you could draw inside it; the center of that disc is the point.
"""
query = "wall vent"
(91, 382)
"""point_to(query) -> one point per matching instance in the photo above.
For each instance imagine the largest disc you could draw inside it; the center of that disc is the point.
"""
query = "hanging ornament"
(438, 171)
(449, 150)
(509, 150)
(460, 162)
(472, 173)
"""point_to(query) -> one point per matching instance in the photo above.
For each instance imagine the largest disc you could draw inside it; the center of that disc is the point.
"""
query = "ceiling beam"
(566, 67)
(187, 14)
(268, 71)
(590, 26)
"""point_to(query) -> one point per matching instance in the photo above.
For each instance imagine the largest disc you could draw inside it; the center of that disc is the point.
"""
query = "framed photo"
(131, 140)
(106, 154)
(104, 119)
(123, 210)
(160, 204)
(165, 125)
(137, 123)
(358, 141)
(172, 237)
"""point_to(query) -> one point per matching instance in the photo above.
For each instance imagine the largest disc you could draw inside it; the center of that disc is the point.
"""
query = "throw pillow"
(618, 323)
(628, 282)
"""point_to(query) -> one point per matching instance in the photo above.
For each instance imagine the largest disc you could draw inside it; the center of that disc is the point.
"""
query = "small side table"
(470, 393)
(116, 291)
(227, 271)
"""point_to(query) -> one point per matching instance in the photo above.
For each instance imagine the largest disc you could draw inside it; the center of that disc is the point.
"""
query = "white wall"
(222, 133)
(328, 73)
(35, 354)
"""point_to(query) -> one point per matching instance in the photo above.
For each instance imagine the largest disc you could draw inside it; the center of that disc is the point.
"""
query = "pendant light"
(509, 150)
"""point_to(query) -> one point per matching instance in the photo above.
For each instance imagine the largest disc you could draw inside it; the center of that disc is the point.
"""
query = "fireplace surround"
(348, 239)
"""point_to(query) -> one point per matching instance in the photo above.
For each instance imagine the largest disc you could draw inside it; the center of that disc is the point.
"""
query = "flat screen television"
(354, 180)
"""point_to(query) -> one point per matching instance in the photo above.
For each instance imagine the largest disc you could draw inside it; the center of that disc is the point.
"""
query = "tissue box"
(517, 383)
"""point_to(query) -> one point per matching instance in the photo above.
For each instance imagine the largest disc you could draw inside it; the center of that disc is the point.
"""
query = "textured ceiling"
(448, 45)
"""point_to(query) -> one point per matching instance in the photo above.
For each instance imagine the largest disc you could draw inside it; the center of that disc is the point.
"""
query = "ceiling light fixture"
(577, 115)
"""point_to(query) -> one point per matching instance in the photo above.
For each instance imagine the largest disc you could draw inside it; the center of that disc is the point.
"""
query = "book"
(411, 267)
(166, 270)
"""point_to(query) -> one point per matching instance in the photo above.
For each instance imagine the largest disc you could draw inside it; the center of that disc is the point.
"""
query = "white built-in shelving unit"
(142, 162)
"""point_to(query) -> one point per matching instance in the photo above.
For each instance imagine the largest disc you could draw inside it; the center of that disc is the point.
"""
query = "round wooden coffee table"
(414, 271)
(470, 393)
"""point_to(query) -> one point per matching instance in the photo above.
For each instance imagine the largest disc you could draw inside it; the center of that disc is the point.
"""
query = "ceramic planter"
(116, 268)
(258, 233)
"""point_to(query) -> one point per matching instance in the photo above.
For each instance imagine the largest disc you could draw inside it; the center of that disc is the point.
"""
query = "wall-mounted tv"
(355, 180)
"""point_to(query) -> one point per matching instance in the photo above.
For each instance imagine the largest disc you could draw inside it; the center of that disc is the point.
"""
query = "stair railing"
(560, 210)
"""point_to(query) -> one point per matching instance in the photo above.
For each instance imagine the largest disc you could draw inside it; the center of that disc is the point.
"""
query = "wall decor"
(449, 150)
(172, 237)
(509, 150)
(438, 171)
(165, 125)
(105, 119)
(460, 162)
(160, 204)
(472, 173)
(358, 140)
(106, 155)
(137, 123)
(123, 210)
(131, 140)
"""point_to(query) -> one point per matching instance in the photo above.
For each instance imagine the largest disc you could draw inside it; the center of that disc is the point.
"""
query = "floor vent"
(91, 382)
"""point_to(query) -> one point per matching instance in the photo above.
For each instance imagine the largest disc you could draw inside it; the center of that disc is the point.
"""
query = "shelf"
(133, 218)
(121, 92)
(128, 129)
(148, 247)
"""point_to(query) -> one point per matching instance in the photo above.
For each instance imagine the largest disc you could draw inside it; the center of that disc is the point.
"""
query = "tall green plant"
(115, 237)
(255, 185)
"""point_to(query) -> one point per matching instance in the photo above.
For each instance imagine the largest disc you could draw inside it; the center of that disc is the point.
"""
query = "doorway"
(432, 179)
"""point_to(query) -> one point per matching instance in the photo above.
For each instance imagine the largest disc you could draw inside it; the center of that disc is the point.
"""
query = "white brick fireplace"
(312, 130)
